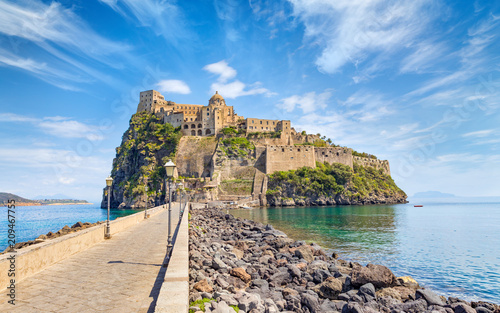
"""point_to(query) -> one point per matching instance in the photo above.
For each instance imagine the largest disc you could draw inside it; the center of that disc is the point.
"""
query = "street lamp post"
(169, 169)
(181, 189)
(146, 191)
(109, 182)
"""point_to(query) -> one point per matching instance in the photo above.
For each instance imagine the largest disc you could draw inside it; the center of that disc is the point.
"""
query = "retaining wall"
(174, 292)
(33, 259)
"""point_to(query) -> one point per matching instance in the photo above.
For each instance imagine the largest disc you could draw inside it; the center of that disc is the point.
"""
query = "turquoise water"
(451, 246)
(33, 221)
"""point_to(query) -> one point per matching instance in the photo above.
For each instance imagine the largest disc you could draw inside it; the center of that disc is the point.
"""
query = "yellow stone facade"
(200, 120)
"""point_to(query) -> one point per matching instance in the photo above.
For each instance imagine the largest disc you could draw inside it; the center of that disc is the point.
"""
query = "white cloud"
(235, 88)
(308, 103)
(58, 126)
(174, 86)
(348, 30)
(222, 69)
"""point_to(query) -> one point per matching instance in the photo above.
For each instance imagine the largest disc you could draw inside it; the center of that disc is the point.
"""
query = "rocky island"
(223, 156)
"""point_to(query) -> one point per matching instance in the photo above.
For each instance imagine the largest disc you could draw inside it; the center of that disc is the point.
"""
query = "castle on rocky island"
(207, 120)
(288, 150)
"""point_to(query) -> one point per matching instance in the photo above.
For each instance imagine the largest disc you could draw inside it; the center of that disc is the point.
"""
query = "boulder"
(429, 296)
(367, 292)
(305, 252)
(462, 308)
(241, 274)
(250, 301)
(203, 286)
(329, 289)
(379, 275)
(310, 301)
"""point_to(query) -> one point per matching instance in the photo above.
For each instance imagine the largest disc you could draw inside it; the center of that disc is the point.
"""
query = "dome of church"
(216, 96)
(217, 99)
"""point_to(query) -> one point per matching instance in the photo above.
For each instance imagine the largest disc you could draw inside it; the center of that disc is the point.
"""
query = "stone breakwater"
(240, 265)
(50, 235)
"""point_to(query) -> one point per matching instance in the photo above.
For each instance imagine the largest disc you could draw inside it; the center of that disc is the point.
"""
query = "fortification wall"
(285, 158)
(378, 164)
(334, 155)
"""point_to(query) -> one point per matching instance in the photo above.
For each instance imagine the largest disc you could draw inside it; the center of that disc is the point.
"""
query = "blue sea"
(449, 245)
(33, 221)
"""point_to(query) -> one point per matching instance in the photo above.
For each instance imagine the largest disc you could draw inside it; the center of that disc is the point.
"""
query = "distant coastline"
(20, 201)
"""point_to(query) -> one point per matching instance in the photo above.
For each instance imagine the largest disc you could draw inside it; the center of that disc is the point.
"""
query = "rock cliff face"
(331, 185)
(145, 147)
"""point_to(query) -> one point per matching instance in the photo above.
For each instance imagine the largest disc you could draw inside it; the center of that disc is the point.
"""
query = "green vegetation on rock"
(333, 183)
(200, 304)
(363, 155)
(145, 147)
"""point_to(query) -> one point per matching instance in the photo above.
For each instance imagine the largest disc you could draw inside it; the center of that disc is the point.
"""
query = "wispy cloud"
(308, 102)
(235, 88)
(479, 133)
(163, 17)
(60, 33)
(174, 86)
(347, 31)
(58, 126)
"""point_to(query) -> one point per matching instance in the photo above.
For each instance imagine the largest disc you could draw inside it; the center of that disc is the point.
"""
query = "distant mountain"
(433, 194)
(5, 197)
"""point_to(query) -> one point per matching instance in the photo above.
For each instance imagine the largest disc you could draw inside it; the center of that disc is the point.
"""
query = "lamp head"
(169, 167)
(109, 181)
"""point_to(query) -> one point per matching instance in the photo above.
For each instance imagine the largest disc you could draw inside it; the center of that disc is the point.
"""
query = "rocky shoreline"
(239, 265)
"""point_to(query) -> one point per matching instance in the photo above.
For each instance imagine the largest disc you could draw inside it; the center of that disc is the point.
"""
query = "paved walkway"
(123, 274)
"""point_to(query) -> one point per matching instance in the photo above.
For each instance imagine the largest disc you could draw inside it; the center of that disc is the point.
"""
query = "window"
(199, 125)
(261, 122)
(193, 126)
(282, 149)
(186, 126)
(191, 119)
(208, 113)
(253, 121)
(298, 149)
(267, 122)
(208, 132)
(193, 133)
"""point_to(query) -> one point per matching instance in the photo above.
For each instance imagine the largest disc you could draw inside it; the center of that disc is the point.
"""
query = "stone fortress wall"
(285, 158)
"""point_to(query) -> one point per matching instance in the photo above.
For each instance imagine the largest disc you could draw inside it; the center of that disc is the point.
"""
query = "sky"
(413, 82)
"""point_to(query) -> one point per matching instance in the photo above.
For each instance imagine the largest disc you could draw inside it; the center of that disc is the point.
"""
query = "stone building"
(200, 120)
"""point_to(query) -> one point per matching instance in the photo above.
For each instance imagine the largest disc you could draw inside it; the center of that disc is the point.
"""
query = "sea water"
(33, 221)
(449, 245)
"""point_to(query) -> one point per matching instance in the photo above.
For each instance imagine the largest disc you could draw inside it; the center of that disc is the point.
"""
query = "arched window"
(200, 133)
(208, 132)
(186, 126)
(199, 125)
(161, 110)
(193, 133)
(193, 126)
